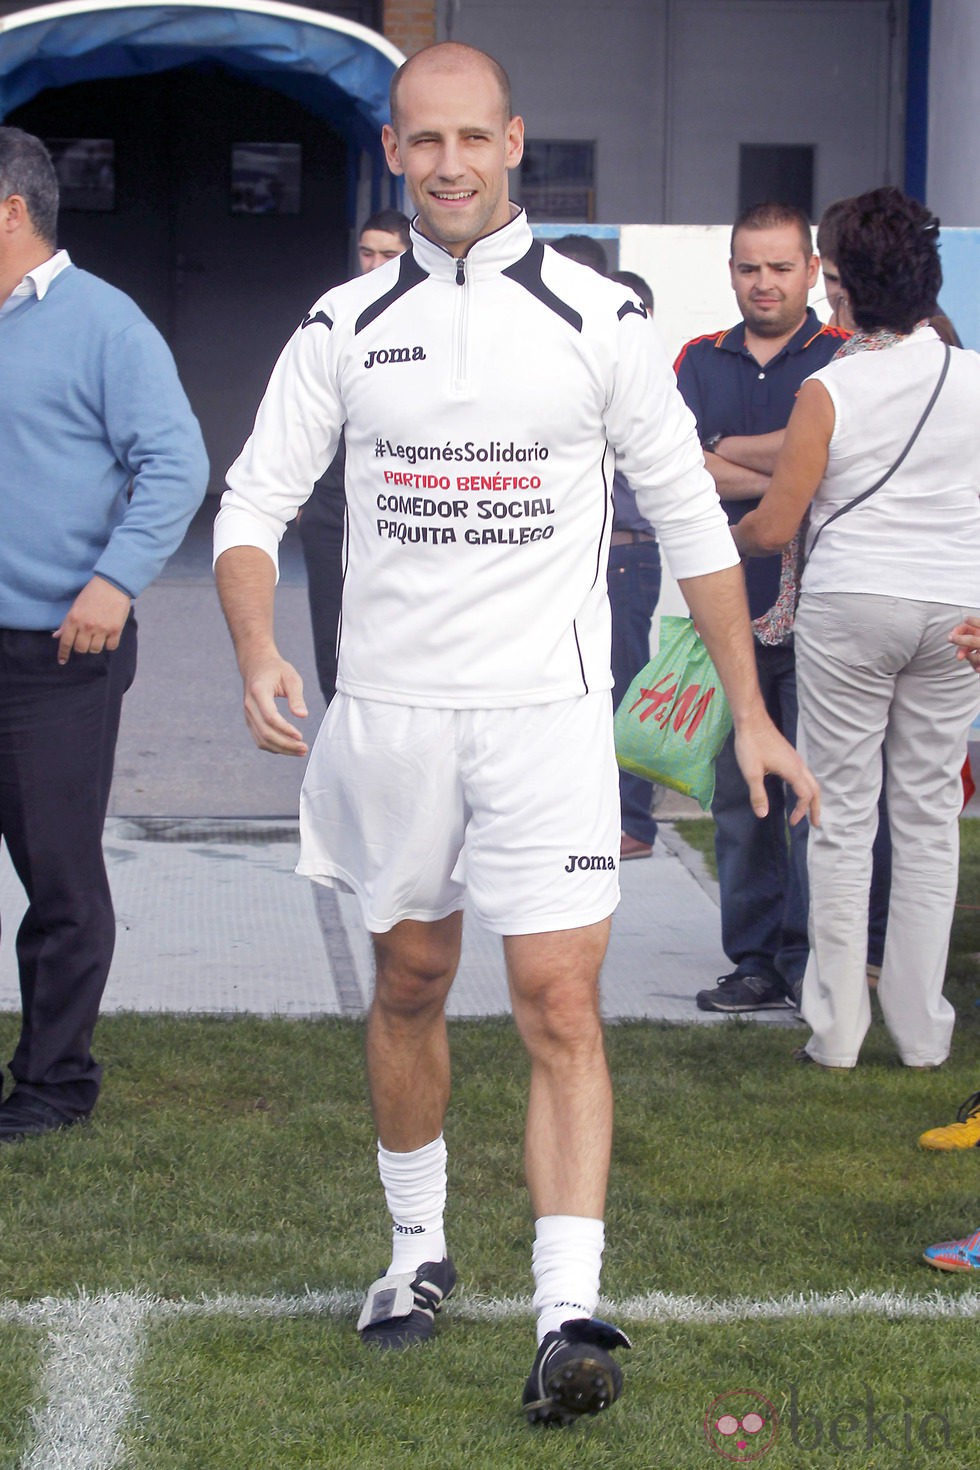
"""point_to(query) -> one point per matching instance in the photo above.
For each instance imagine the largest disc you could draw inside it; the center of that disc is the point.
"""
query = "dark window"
(558, 181)
(776, 171)
(86, 169)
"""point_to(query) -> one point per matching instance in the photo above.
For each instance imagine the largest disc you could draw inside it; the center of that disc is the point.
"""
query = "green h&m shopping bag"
(675, 718)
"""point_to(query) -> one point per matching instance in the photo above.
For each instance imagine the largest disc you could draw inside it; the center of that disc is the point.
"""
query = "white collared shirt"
(36, 282)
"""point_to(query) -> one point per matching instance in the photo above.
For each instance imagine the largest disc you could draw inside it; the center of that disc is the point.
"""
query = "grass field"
(179, 1280)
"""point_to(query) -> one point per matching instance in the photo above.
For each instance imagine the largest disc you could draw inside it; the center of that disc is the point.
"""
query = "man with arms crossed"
(484, 384)
(741, 385)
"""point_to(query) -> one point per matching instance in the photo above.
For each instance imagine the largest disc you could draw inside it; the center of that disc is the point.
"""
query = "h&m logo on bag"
(666, 707)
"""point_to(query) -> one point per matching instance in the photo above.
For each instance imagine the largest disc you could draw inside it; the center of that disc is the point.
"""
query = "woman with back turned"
(884, 452)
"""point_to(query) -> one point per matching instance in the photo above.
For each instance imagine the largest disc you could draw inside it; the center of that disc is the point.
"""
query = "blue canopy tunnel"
(339, 70)
(192, 103)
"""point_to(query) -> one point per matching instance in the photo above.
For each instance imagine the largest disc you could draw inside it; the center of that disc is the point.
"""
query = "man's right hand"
(246, 578)
(265, 681)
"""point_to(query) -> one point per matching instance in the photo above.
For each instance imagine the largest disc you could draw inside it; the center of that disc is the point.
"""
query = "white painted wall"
(668, 89)
(819, 73)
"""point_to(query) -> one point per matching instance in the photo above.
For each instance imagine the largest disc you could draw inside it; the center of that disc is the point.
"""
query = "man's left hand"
(94, 621)
(761, 751)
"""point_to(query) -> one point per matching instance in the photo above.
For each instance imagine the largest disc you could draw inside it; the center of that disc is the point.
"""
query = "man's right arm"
(296, 432)
(740, 465)
(246, 579)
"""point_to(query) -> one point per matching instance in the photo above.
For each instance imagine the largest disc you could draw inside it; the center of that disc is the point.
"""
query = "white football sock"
(415, 1192)
(566, 1262)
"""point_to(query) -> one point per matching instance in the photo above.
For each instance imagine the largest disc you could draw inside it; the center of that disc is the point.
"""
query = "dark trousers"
(762, 877)
(58, 729)
(323, 551)
(881, 881)
(633, 579)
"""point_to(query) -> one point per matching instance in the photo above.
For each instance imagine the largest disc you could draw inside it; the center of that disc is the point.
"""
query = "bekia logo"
(386, 355)
(742, 1425)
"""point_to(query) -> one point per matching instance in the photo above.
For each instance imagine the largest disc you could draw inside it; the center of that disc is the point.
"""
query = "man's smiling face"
(454, 144)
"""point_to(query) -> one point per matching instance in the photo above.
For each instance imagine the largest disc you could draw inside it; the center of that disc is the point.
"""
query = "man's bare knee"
(557, 1022)
(415, 966)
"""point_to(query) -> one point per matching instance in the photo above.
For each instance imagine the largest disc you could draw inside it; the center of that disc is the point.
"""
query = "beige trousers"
(875, 671)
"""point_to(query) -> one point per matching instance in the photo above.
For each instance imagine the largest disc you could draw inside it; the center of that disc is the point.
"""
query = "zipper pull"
(460, 271)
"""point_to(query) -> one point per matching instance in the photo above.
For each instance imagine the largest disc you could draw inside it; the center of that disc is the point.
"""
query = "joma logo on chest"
(386, 355)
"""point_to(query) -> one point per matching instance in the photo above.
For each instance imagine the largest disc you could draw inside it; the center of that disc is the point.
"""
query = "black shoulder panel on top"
(310, 320)
(631, 306)
(527, 273)
(410, 274)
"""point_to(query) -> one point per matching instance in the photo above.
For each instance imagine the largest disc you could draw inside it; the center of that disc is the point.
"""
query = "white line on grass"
(655, 1306)
(94, 1343)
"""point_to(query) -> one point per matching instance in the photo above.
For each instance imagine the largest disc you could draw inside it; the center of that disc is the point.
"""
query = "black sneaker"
(736, 992)
(573, 1373)
(400, 1311)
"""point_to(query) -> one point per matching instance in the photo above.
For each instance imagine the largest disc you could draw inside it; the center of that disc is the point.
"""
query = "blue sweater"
(90, 404)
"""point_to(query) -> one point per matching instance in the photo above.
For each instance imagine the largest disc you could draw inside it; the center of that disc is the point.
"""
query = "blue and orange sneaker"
(955, 1255)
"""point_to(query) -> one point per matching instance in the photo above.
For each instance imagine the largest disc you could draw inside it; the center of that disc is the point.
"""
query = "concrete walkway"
(201, 843)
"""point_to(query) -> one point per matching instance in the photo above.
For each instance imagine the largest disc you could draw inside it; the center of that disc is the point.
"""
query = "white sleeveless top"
(917, 537)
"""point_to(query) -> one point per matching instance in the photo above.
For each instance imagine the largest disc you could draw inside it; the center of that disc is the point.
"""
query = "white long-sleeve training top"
(485, 403)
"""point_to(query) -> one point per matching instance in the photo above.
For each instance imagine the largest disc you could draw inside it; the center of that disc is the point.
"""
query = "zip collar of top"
(487, 256)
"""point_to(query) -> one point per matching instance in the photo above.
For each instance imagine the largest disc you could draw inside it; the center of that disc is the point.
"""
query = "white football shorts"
(519, 808)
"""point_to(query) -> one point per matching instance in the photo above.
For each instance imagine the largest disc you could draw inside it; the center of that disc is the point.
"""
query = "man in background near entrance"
(469, 748)
(633, 578)
(383, 237)
(103, 468)
(741, 385)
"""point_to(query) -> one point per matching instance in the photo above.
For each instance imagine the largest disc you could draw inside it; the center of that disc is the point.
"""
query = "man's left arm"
(757, 452)
(154, 435)
(718, 605)
(654, 434)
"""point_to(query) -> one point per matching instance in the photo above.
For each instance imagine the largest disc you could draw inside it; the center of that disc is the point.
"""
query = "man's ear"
(389, 142)
(514, 137)
(14, 214)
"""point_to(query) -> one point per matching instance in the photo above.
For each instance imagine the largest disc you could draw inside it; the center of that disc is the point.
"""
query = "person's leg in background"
(753, 858)
(633, 578)
(881, 883)
(323, 550)
(794, 946)
(57, 745)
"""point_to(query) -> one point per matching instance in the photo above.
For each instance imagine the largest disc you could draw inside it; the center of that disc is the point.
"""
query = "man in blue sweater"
(102, 466)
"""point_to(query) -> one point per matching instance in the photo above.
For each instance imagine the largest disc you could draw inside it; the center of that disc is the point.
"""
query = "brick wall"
(410, 24)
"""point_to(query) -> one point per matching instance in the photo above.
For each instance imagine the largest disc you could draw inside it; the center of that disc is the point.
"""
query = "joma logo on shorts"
(589, 864)
(393, 354)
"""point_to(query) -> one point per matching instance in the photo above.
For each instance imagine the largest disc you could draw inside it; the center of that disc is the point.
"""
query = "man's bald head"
(450, 58)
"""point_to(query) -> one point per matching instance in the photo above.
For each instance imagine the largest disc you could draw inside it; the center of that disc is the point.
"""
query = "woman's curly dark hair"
(888, 258)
